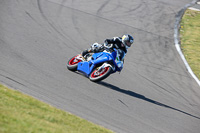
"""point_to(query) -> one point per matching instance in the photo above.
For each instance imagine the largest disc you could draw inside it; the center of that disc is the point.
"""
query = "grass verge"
(190, 39)
(20, 113)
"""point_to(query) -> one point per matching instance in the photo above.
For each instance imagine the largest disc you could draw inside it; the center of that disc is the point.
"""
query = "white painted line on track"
(195, 9)
(186, 64)
(176, 39)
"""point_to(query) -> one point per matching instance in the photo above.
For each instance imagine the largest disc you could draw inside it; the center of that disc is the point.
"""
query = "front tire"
(72, 64)
(96, 76)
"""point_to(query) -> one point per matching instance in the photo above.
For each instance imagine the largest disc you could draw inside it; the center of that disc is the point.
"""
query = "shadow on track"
(139, 96)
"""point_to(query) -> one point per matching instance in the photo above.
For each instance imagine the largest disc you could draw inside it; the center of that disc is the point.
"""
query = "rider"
(120, 43)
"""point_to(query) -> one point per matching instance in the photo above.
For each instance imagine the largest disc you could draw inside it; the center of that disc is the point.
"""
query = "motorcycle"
(96, 66)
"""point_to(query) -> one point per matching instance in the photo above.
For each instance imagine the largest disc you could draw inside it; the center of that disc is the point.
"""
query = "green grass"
(20, 113)
(190, 39)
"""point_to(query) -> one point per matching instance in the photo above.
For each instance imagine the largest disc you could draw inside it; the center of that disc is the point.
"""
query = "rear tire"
(98, 77)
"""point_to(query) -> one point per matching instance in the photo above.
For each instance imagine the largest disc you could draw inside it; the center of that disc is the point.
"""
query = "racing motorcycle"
(97, 66)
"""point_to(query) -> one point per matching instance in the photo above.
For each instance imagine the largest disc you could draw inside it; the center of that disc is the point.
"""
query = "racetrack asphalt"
(154, 93)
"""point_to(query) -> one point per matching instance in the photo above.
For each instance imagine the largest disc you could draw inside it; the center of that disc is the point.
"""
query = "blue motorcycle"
(96, 66)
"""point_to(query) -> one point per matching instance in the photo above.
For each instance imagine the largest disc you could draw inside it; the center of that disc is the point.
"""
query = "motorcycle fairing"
(86, 67)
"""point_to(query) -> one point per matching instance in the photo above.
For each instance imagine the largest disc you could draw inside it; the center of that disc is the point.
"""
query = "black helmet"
(127, 40)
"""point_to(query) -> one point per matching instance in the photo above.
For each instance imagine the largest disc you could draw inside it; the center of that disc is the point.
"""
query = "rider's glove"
(95, 45)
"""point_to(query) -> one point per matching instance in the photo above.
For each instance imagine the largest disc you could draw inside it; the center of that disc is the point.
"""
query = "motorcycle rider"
(120, 43)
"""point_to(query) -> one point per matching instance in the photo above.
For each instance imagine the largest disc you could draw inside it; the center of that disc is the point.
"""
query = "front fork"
(79, 57)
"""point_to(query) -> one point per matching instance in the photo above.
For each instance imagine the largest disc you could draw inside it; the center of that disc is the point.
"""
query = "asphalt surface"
(154, 93)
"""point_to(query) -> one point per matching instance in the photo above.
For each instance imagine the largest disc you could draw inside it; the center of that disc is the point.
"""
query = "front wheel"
(98, 75)
(73, 62)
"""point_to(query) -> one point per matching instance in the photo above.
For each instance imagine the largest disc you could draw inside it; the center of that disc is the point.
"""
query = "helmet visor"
(128, 44)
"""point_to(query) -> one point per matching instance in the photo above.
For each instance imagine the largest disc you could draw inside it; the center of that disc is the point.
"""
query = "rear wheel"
(73, 63)
(98, 75)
